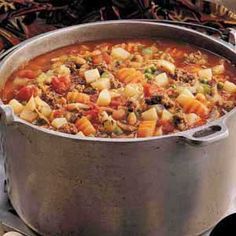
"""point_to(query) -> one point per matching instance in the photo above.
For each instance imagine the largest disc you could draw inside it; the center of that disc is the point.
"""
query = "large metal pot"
(60, 184)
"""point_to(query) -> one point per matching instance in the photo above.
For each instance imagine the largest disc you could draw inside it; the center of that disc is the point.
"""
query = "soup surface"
(122, 89)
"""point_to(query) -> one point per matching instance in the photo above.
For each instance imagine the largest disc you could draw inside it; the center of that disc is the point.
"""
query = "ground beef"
(77, 79)
(179, 121)
(50, 98)
(153, 100)
(69, 129)
(195, 58)
(163, 100)
(89, 90)
(131, 106)
(184, 76)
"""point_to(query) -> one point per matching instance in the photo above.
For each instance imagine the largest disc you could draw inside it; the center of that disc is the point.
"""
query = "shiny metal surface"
(176, 185)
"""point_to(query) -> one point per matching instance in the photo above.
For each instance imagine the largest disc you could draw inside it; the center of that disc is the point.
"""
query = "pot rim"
(187, 134)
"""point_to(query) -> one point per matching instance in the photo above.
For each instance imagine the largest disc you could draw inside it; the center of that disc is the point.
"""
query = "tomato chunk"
(151, 89)
(27, 73)
(26, 93)
(61, 84)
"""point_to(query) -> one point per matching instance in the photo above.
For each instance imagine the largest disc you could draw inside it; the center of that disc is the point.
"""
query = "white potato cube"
(120, 53)
(161, 80)
(218, 70)
(183, 99)
(16, 106)
(59, 122)
(150, 114)
(28, 115)
(229, 87)
(187, 92)
(100, 84)
(166, 66)
(104, 98)
(91, 75)
(132, 90)
(205, 74)
(166, 115)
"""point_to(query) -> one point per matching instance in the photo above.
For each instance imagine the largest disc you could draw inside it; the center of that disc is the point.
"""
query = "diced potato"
(192, 118)
(166, 66)
(16, 106)
(161, 80)
(59, 122)
(218, 70)
(31, 105)
(187, 92)
(120, 53)
(132, 90)
(91, 75)
(104, 98)
(150, 114)
(166, 115)
(28, 115)
(183, 98)
(229, 87)
(46, 111)
(205, 74)
(100, 84)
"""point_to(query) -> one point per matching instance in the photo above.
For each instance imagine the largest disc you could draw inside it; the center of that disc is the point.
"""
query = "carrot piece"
(83, 124)
(129, 75)
(146, 128)
(192, 105)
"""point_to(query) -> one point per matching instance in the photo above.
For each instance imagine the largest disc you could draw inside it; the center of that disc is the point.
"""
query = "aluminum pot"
(60, 184)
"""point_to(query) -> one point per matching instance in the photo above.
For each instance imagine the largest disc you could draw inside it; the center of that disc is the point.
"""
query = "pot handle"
(207, 135)
(6, 114)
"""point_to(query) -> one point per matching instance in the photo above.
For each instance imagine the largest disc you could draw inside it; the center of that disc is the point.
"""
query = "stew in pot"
(122, 89)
